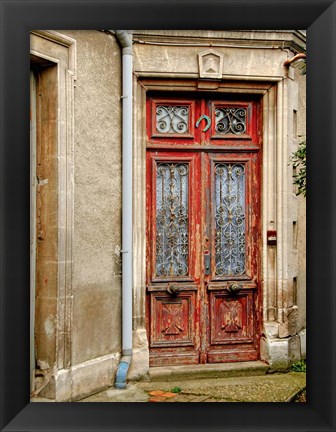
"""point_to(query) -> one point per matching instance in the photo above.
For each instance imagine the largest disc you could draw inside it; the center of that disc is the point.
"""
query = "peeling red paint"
(204, 322)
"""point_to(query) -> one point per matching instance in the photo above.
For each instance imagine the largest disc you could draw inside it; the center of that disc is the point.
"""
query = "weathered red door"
(203, 229)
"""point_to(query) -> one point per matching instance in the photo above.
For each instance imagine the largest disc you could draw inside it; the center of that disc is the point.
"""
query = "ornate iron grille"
(172, 119)
(230, 120)
(230, 219)
(172, 219)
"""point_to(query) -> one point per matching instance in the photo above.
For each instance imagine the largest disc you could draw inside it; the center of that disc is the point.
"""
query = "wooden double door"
(203, 229)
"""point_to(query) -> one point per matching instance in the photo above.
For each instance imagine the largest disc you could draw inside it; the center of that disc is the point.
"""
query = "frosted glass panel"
(172, 219)
(230, 219)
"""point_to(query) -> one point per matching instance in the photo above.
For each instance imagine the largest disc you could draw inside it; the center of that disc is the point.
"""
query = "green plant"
(176, 390)
(299, 366)
(302, 67)
(298, 160)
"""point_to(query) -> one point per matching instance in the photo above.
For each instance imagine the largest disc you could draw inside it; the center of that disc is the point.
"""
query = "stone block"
(280, 354)
(140, 338)
(289, 325)
(63, 386)
(139, 368)
(275, 352)
(49, 391)
(303, 348)
(294, 349)
(271, 329)
(290, 73)
(264, 356)
(293, 265)
(93, 376)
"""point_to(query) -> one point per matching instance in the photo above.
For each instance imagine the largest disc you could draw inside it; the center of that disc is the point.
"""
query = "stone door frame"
(48, 47)
(279, 266)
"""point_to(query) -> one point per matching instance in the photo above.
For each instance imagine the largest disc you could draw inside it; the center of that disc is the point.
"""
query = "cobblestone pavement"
(265, 388)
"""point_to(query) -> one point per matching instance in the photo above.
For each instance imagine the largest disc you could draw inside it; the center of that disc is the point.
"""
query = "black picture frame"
(17, 19)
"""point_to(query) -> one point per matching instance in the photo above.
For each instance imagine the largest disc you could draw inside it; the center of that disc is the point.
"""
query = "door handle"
(207, 263)
(173, 290)
(234, 287)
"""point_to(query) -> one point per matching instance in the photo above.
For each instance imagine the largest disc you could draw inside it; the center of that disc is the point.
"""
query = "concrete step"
(206, 371)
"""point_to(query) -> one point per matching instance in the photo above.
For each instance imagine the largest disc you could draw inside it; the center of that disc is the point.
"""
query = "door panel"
(172, 120)
(232, 224)
(228, 218)
(174, 326)
(172, 248)
(233, 215)
(231, 317)
(203, 232)
(173, 319)
(233, 123)
(172, 204)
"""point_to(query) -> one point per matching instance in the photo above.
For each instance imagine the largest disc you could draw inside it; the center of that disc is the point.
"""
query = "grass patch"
(176, 390)
(299, 366)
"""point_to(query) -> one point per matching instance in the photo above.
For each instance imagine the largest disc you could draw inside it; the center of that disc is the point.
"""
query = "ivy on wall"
(298, 158)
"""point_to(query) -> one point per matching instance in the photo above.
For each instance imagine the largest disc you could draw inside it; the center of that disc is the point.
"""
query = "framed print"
(190, 148)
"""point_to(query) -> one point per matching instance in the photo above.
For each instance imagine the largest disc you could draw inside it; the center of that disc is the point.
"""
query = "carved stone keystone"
(210, 64)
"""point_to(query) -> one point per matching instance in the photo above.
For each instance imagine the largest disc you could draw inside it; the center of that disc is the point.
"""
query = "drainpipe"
(125, 40)
(296, 58)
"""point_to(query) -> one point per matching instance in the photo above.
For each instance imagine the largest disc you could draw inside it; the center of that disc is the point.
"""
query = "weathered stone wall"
(301, 244)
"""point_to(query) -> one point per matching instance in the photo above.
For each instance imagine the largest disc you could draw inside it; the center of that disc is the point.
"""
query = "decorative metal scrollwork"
(172, 219)
(230, 120)
(172, 119)
(230, 219)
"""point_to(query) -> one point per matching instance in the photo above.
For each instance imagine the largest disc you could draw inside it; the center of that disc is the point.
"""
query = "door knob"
(173, 290)
(234, 287)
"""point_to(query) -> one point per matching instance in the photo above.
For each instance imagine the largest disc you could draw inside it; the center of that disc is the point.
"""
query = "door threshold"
(213, 370)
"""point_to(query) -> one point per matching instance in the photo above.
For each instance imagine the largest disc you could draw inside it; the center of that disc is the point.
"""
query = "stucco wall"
(97, 201)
